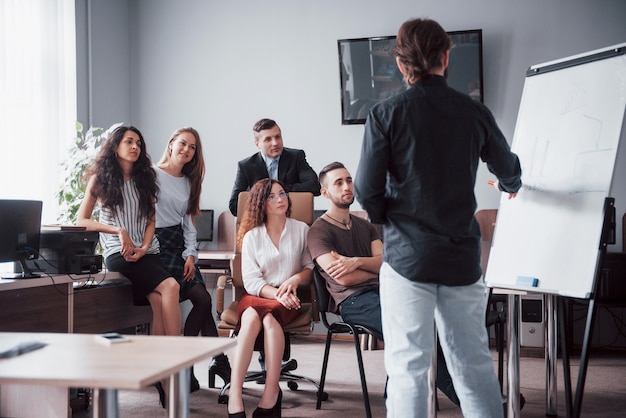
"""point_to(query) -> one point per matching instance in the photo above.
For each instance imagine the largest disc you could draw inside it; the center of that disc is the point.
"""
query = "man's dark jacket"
(417, 174)
(293, 171)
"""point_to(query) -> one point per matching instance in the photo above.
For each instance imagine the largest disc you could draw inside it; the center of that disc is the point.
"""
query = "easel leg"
(567, 379)
(513, 406)
(550, 354)
(584, 358)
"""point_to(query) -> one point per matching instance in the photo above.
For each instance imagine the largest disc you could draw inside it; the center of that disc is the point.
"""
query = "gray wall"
(219, 66)
(104, 70)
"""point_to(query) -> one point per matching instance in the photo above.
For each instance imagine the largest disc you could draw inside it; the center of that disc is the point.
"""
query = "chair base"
(285, 375)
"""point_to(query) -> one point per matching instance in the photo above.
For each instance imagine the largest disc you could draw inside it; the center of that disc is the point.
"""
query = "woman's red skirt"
(265, 306)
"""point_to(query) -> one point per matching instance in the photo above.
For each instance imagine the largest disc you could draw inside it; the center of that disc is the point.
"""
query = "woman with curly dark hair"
(123, 183)
(275, 260)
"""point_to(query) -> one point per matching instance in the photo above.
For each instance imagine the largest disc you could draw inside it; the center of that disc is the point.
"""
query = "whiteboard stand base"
(567, 380)
(513, 401)
(608, 237)
(584, 360)
(550, 313)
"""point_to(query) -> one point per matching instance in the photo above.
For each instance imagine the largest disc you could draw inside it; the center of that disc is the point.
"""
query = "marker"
(491, 182)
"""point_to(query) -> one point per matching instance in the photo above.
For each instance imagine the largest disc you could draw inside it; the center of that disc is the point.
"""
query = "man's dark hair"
(420, 45)
(263, 124)
(330, 167)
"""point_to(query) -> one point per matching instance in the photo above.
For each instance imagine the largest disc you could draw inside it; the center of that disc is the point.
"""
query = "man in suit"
(274, 161)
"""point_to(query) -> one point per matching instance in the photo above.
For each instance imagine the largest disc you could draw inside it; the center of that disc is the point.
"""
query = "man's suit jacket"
(293, 171)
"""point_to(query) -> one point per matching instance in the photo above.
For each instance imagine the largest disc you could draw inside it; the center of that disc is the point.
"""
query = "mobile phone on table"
(111, 338)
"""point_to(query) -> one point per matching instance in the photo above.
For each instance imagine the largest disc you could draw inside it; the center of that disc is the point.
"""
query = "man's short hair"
(330, 167)
(262, 125)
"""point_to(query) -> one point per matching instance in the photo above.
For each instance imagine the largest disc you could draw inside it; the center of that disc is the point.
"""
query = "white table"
(77, 360)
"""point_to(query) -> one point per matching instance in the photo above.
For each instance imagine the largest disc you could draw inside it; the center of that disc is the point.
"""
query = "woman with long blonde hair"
(179, 174)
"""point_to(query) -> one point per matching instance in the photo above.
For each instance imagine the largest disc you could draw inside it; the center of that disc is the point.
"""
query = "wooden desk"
(215, 261)
(59, 303)
(77, 360)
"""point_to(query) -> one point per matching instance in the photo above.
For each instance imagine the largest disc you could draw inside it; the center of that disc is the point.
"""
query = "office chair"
(497, 304)
(301, 209)
(338, 327)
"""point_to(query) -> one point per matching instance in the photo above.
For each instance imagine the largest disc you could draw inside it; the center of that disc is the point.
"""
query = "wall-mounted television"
(369, 74)
(20, 232)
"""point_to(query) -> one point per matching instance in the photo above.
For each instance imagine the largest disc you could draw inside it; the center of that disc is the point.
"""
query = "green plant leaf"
(79, 156)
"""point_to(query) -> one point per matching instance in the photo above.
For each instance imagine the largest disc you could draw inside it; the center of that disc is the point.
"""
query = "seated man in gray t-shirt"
(348, 252)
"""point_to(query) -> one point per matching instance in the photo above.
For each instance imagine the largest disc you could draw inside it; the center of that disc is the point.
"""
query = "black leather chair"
(338, 327)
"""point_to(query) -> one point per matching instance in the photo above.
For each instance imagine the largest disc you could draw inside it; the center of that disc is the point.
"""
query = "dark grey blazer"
(293, 171)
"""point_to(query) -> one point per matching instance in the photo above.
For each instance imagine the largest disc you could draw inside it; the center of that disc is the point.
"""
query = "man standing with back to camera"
(419, 158)
(274, 161)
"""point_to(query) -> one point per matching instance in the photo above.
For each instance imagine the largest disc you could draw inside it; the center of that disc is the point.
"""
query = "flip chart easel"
(551, 238)
(567, 135)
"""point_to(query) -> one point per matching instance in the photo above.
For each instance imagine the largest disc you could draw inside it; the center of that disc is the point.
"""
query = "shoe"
(241, 414)
(221, 367)
(159, 388)
(274, 412)
(194, 385)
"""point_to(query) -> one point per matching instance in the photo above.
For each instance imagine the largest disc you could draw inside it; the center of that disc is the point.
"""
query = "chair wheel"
(222, 399)
(324, 396)
(292, 385)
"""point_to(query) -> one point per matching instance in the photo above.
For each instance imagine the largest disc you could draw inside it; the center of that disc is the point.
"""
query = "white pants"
(409, 311)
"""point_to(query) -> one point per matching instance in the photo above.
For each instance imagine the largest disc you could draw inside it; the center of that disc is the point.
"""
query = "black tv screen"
(369, 74)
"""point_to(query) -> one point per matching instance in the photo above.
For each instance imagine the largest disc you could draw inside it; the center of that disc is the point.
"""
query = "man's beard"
(342, 204)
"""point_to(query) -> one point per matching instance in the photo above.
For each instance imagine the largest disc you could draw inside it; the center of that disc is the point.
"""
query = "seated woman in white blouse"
(275, 261)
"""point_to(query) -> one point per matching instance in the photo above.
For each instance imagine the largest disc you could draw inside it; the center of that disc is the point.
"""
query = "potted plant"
(80, 155)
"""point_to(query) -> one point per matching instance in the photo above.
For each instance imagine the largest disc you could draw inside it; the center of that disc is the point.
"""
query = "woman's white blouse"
(262, 263)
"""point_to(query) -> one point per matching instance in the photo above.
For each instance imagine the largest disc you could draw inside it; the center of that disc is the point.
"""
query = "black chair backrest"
(322, 293)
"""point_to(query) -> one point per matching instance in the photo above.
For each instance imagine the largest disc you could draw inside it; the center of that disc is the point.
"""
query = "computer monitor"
(204, 225)
(20, 232)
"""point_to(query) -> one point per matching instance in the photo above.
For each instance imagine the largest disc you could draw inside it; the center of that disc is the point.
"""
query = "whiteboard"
(567, 134)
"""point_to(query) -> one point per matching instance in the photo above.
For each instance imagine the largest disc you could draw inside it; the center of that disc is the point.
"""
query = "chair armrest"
(222, 282)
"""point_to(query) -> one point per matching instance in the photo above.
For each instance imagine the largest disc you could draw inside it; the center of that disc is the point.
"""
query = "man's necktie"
(273, 170)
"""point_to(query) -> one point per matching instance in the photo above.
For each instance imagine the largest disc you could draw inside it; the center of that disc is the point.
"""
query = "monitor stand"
(26, 273)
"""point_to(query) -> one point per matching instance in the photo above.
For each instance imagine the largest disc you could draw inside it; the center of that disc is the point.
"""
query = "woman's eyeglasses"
(273, 197)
